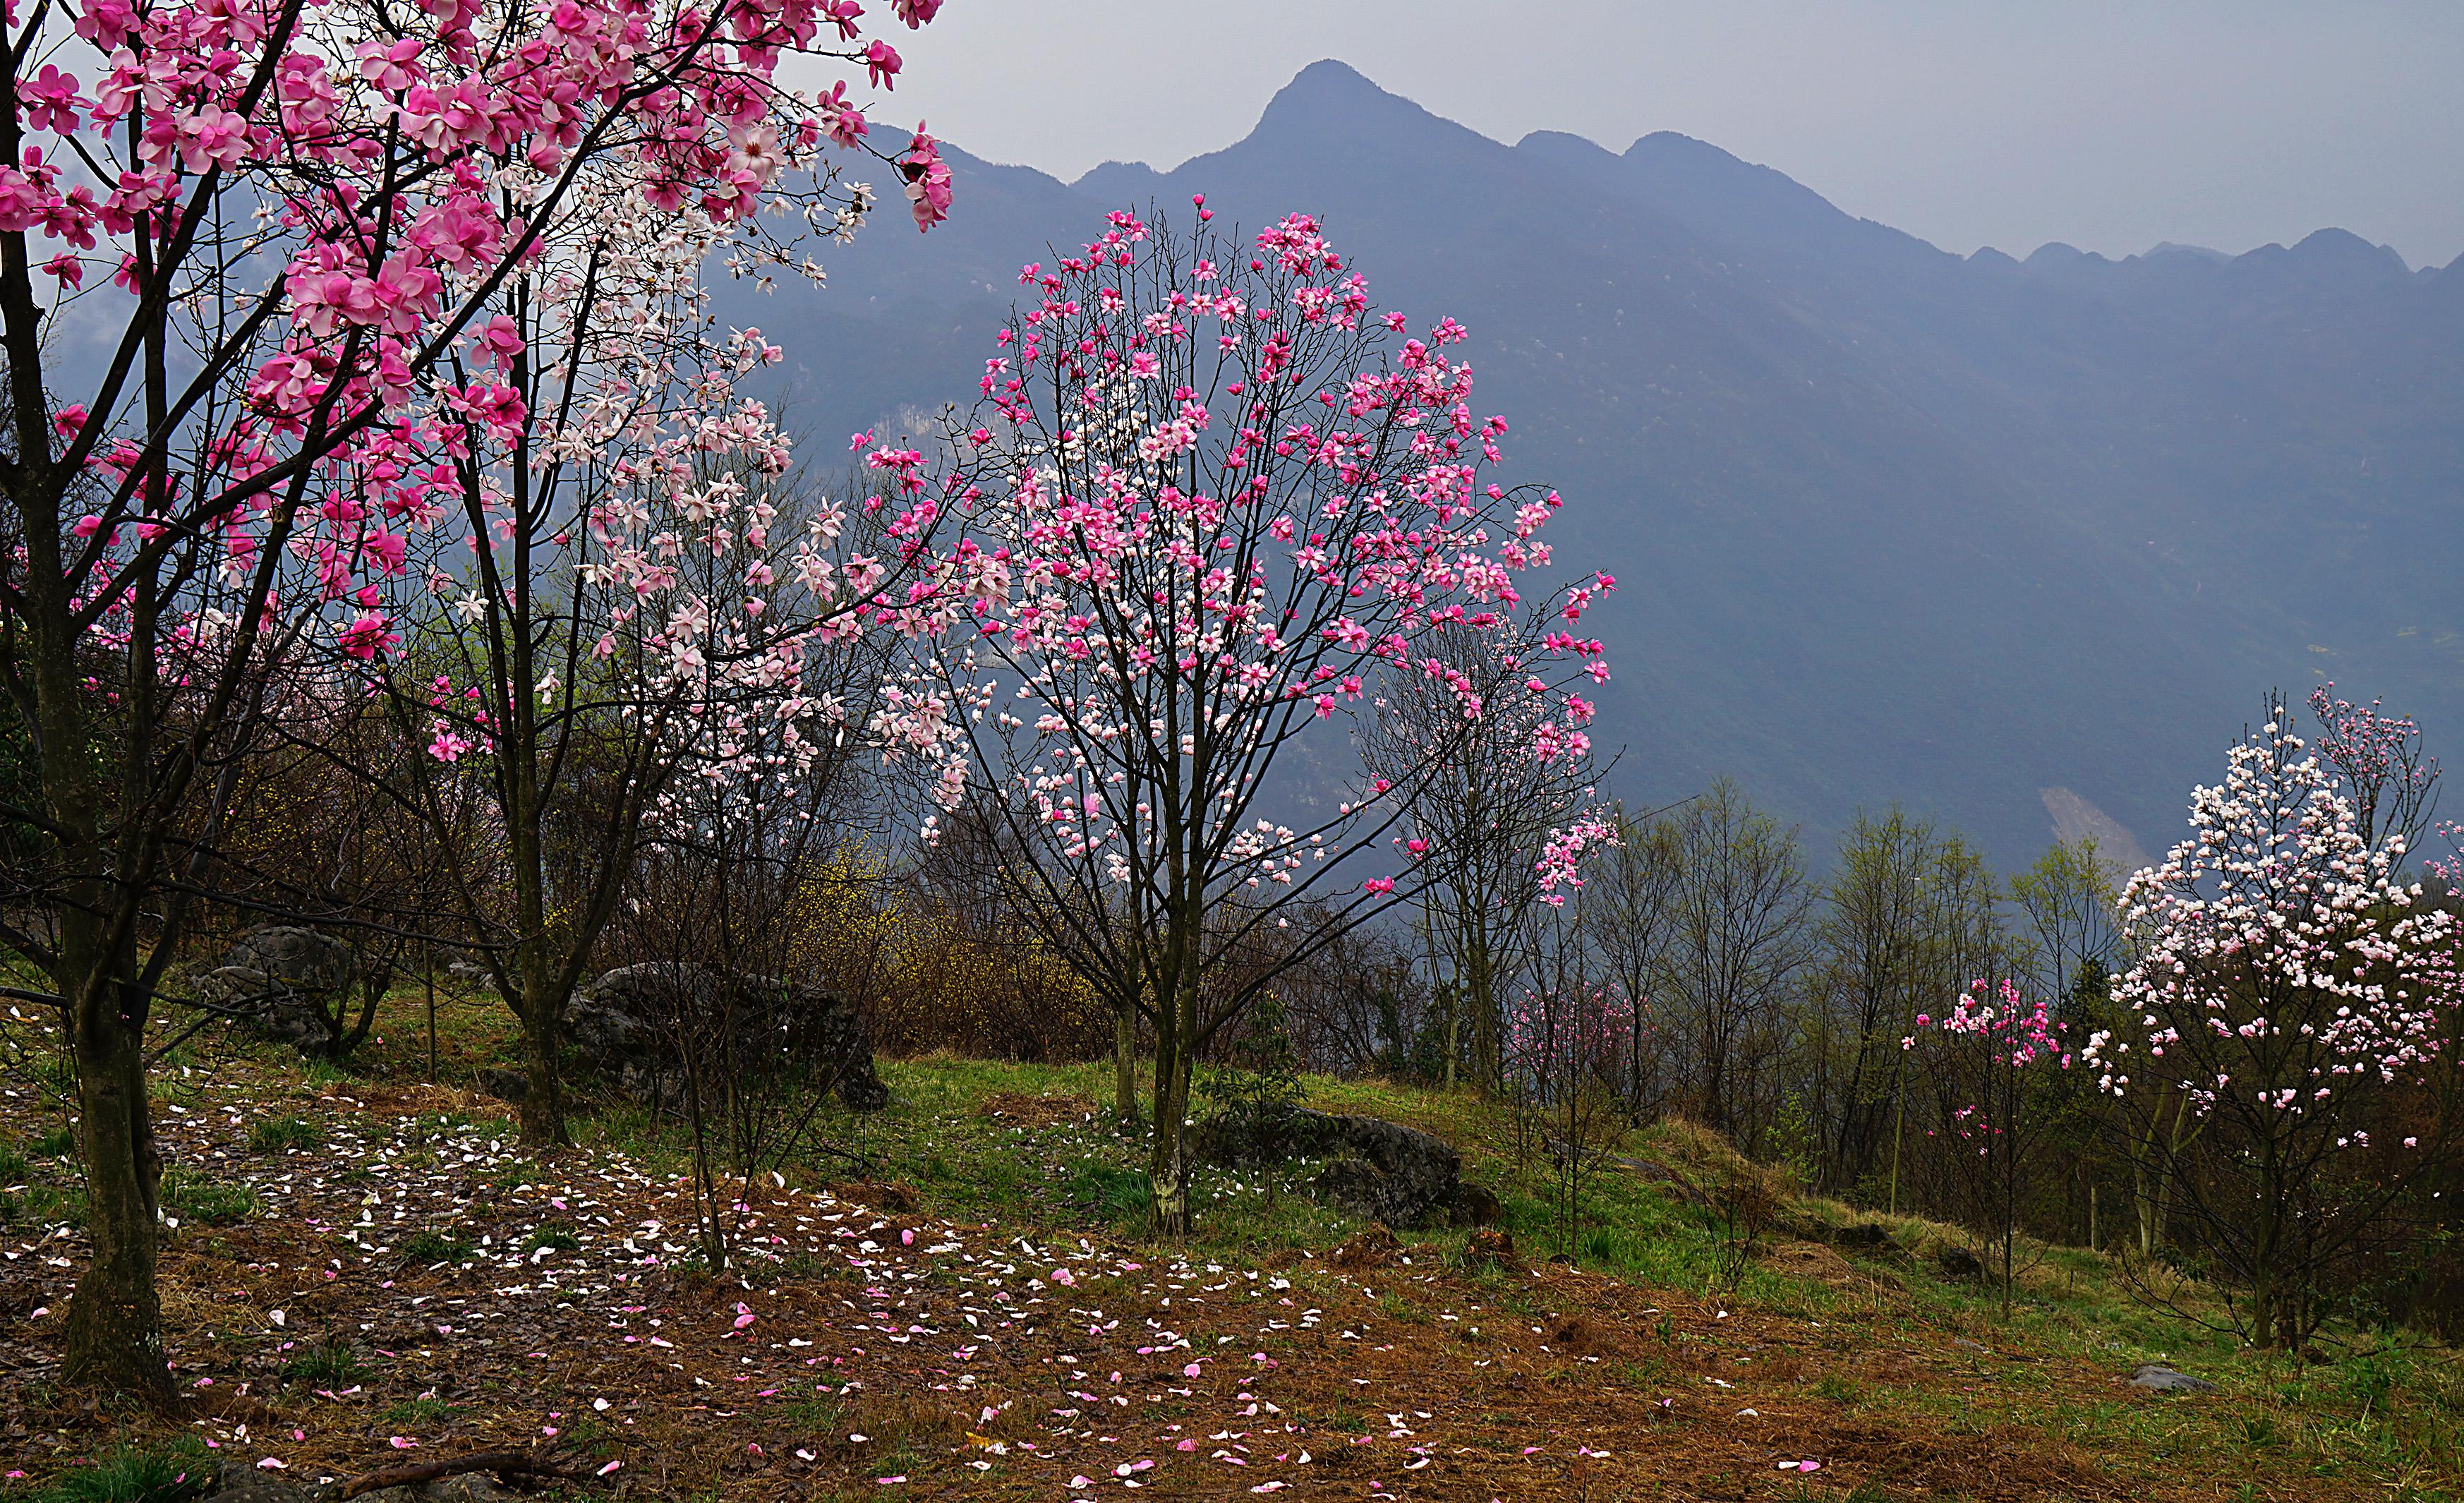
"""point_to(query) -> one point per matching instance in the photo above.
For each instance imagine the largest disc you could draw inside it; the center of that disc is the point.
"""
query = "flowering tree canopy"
(2287, 984)
(1213, 499)
(2379, 757)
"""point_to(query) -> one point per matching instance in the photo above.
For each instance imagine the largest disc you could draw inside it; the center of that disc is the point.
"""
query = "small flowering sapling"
(1991, 1052)
(1567, 1037)
(274, 226)
(2289, 1000)
(1211, 498)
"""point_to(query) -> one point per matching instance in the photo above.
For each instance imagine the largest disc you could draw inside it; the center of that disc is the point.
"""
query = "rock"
(622, 1024)
(1959, 1263)
(1476, 1206)
(505, 1084)
(244, 1486)
(2161, 1378)
(1376, 1170)
(295, 981)
(464, 1486)
(1871, 1237)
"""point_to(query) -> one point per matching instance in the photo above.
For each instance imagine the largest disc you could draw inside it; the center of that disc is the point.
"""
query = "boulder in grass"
(294, 984)
(1374, 1169)
(1868, 1237)
(2161, 1378)
(625, 1025)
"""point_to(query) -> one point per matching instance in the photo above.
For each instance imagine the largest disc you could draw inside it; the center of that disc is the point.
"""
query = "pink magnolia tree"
(2287, 1011)
(256, 285)
(1991, 1053)
(1213, 500)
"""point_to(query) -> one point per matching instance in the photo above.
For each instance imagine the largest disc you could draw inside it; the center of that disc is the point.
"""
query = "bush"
(1256, 1075)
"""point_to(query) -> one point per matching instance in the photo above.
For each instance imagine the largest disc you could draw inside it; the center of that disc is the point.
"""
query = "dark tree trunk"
(115, 1318)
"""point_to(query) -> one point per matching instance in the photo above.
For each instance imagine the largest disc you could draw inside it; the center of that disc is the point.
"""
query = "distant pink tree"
(1990, 1051)
(2289, 997)
(1214, 499)
(257, 288)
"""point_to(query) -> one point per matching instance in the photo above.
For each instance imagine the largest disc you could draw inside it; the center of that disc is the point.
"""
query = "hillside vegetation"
(957, 1298)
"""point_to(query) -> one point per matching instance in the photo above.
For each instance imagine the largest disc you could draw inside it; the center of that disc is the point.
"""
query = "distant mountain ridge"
(1893, 524)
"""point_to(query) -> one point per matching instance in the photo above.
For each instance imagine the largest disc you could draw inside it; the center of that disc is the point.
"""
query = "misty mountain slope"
(1890, 524)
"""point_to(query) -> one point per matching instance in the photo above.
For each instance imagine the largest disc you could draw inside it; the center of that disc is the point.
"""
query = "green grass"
(61, 1142)
(555, 1236)
(2386, 1416)
(276, 1134)
(134, 1473)
(429, 1245)
(206, 1202)
(324, 1364)
(419, 1411)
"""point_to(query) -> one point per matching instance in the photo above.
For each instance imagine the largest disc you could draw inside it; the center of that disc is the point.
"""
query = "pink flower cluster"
(399, 173)
(1215, 499)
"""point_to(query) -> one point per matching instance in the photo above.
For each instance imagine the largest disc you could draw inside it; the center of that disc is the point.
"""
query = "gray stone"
(242, 1488)
(505, 1084)
(1959, 1263)
(2161, 1378)
(625, 1025)
(295, 981)
(1871, 1237)
(1374, 1169)
(1476, 1206)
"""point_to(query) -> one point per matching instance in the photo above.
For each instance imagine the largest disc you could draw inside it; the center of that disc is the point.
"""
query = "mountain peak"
(1329, 94)
(1329, 78)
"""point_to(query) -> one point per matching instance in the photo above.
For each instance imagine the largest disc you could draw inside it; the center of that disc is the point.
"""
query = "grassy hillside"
(367, 1271)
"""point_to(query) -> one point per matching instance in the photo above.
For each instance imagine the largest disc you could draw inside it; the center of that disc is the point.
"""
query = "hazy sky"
(1970, 123)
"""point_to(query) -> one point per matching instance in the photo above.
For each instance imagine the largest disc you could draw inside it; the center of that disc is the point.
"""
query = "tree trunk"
(1176, 1054)
(1168, 1163)
(1125, 1064)
(1487, 1061)
(115, 1318)
(542, 1111)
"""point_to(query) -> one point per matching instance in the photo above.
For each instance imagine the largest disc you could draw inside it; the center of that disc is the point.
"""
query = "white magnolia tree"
(2285, 1017)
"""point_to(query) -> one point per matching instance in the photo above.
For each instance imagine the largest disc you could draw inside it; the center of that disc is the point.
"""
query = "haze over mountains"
(1890, 524)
